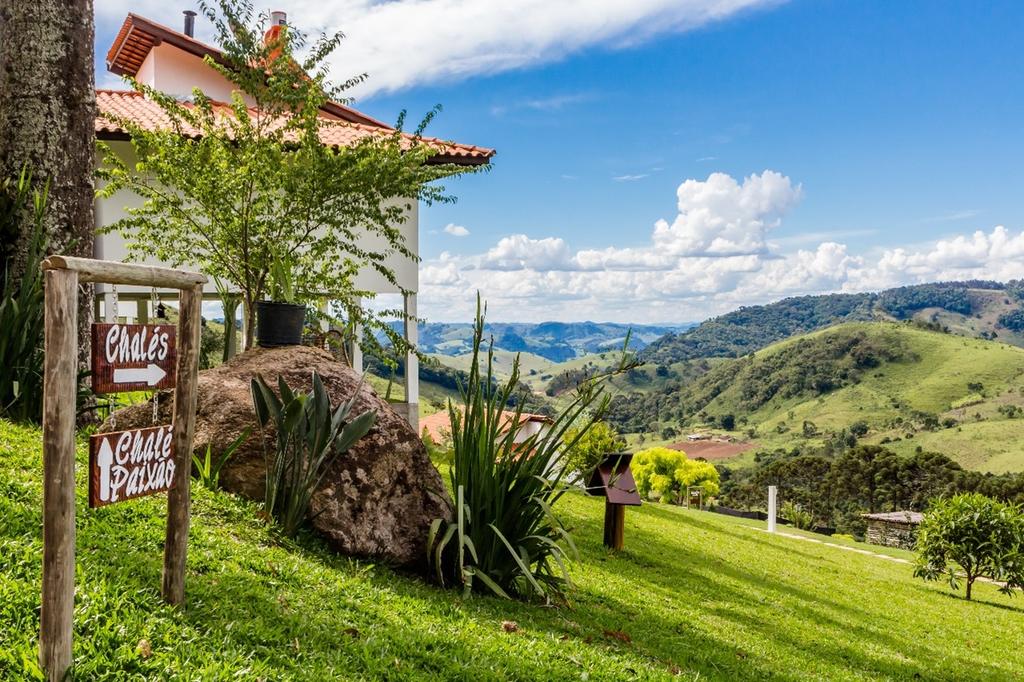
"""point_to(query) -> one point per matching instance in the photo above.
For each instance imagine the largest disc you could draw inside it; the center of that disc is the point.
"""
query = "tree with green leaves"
(667, 474)
(969, 536)
(248, 192)
(591, 446)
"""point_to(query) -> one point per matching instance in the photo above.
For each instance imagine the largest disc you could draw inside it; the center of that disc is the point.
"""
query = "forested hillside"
(961, 307)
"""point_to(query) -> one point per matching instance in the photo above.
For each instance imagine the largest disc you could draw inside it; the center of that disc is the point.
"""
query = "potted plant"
(279, 321)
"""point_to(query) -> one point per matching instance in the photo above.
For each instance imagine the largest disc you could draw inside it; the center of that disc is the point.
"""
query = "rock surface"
(377, 500)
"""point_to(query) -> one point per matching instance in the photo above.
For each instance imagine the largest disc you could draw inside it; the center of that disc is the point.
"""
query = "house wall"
(112, 246)
(528, 429)
(176, 72)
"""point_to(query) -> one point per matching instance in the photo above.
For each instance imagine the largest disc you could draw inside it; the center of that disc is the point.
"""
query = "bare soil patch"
(712, 449)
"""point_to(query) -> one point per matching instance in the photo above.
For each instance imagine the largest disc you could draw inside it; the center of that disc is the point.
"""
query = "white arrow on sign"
(104, 460)
(150, 374)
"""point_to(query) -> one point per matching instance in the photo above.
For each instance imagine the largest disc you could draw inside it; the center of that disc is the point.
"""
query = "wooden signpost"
(613, 479)
(126, 464)
(132, 357)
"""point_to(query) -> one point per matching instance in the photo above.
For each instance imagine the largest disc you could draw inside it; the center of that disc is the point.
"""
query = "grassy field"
(694, 595)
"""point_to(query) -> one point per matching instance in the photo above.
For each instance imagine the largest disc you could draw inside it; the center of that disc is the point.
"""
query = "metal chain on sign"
(155, 300)
(113, 309)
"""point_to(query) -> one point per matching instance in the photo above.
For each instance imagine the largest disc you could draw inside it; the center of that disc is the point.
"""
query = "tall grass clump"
(503, 536)
(22, 301)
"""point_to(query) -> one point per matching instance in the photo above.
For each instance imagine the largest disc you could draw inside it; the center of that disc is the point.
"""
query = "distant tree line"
(836, 490)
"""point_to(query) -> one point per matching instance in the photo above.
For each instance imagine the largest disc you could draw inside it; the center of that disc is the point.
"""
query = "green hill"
(694, 596)
(982, 309)
(907, 386)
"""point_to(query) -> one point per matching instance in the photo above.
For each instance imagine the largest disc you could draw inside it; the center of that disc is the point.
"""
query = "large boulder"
(377, 500)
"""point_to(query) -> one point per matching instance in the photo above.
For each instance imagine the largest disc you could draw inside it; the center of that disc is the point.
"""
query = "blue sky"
(892, 130)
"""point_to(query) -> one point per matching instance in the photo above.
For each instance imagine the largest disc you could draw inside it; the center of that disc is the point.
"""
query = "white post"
(109, 314)
(412, 363)
(241, 332)
(357, 337)
(772, 494)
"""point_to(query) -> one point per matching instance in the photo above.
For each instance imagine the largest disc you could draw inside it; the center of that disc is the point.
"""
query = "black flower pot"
(279, 324)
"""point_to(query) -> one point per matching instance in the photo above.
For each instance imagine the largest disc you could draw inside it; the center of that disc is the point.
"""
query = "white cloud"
(686, 272)
(456, 230)
(630, 178)
(721, 217)
(413, 42)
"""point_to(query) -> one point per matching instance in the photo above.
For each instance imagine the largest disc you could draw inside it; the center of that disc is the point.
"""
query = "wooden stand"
(63, 275)
(614, 525)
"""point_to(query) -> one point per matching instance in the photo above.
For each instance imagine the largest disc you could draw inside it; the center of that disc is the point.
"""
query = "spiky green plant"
(22, 303)
(504, 536)
(309, 436)
(206, 469)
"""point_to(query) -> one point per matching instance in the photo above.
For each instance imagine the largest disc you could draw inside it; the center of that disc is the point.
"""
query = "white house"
(172, 62)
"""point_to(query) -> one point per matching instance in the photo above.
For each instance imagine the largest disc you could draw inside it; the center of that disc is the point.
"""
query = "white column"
(241, 330)
(357, 338)
(412, 363)
(108, 307)
(772, 494)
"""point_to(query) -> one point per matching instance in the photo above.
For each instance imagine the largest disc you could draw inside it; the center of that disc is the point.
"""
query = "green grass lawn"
(694, 594)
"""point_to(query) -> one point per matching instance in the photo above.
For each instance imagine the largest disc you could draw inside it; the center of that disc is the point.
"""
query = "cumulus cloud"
(711, 259)
(721, 217)
(414, 42)
(456, 230)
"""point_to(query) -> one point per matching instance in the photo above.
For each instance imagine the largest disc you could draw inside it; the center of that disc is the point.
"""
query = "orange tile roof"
(439, 427)
(128, 104)
(139, 35)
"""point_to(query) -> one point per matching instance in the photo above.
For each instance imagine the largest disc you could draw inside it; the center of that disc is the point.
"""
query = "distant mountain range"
(555, 341)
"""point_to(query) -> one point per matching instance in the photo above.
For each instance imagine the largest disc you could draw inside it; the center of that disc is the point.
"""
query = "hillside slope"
(694, 595)
(906, 386)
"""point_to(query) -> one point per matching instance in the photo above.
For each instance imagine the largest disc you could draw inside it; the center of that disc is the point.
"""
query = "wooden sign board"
(613, 479)
(132, 357)
(124, 465)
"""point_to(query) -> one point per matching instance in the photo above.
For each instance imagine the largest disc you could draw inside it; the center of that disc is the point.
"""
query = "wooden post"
(772, 496)
(59, 392)
(190, 303)
(614, 525)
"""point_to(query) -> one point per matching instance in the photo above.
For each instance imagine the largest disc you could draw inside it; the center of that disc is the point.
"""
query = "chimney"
(190, 23)
(278, 18)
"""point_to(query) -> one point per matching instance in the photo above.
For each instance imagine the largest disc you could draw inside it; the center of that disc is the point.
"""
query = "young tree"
(241, 190)
(981, 536)
(47, 119)
(668, 473)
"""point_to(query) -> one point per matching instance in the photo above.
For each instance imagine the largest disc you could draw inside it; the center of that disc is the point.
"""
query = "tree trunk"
(47, 114)
(970, 584)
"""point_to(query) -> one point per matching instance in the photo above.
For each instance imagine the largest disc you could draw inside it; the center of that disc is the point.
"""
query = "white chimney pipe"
(278, 18)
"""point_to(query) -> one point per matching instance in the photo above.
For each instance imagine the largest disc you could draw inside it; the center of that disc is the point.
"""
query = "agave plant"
(504, 536)
(310, 435)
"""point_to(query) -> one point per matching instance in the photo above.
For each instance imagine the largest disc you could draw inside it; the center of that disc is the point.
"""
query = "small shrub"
(309, 436)
(797, 515)
(206, 469)
(981, 536)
